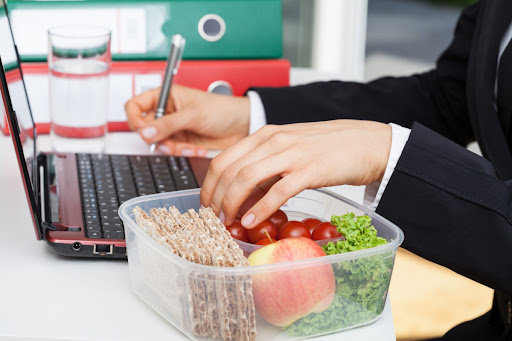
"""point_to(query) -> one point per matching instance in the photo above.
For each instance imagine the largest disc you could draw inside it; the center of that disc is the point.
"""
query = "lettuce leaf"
(361, 284)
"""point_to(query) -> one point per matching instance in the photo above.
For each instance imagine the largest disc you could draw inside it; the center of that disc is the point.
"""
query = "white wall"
(339, 37)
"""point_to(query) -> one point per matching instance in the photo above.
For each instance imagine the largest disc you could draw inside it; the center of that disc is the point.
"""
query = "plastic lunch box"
(162, 279)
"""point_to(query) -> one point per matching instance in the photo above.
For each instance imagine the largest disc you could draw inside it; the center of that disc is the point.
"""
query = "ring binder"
(132, 78)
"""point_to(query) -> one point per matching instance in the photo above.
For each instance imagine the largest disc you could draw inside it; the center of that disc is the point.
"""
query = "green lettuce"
(361, 284)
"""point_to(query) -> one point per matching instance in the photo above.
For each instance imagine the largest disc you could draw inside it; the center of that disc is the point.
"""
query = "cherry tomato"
(311, 223)
(257, 233)
(238, 231)
(266, 241)
(293, 229)
(279, 218)
(325, 231)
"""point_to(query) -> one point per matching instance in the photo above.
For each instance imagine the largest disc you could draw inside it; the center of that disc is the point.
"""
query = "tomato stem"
(268, 236)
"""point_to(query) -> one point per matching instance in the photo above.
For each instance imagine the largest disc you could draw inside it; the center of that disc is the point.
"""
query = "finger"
(287, 187)
(149, 116)
(226, 158)
(274, 145)
(257, 193)
(247, 178)
(170, 147)
(167, 125)
(140, 104)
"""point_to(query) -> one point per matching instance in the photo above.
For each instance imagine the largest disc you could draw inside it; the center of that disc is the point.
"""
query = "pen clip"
(180, 56)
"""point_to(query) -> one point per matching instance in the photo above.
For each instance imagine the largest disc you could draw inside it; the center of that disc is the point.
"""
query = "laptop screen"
(18, 95)
(15, 106)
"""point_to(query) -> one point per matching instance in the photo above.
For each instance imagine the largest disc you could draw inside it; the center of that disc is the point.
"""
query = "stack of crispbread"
(220, 306)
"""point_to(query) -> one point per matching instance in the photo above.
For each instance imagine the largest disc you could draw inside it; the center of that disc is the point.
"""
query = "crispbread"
(212, 283)
(219, 305)
(247, 301)
(226, 296)
(235, 254)
(203, 257)
(195, 286)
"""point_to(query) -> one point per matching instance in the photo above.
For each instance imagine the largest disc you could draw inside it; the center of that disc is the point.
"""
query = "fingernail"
(222, 217)
(164, 149)
(201, 206)
(248, 220)
(149, 132)
(187, 152)
(201, 152)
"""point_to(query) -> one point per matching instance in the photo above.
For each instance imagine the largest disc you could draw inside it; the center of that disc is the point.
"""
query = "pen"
(171, 68)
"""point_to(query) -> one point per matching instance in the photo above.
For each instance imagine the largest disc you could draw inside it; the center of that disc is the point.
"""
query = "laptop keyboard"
(106, 181)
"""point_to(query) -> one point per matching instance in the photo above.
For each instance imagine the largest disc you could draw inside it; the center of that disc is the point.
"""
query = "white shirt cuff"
(257, 118)
(373, 192)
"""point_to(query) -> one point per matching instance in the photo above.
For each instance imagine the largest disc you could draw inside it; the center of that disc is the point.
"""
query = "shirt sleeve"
(257, 117)
(373, 192)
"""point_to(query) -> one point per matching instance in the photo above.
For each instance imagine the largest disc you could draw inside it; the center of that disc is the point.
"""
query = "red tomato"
(311, 223)
(266, 241)
(279, 218)
(325, 231)
(293, 229)
(238, 231)
(258, 232)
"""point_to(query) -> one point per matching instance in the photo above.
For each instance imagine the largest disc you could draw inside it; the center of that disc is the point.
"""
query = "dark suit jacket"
(454, 207)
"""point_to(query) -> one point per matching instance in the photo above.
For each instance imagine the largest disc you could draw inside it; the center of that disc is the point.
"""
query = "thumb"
(167, 125)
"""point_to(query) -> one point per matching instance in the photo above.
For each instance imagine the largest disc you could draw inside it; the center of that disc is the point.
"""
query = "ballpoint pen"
(172, 65)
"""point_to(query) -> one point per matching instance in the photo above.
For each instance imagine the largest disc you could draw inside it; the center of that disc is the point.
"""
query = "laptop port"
(102, 249)
(77, 246)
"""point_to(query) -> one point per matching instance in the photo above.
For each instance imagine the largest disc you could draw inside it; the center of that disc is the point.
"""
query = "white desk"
(45, 296)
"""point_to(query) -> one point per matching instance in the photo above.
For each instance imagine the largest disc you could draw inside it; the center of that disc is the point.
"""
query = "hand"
(194, 122)
(282, 161)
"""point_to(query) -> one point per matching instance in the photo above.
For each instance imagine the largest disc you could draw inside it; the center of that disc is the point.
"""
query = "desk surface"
(45, 296)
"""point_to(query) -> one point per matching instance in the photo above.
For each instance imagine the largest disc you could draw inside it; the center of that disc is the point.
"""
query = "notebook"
(74, 198)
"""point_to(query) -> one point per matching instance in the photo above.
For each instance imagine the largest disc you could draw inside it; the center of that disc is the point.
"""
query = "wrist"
(238, 109)
(242, 112)
(384, 150)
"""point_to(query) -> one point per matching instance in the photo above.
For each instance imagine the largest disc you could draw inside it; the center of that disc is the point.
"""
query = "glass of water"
(79, 66)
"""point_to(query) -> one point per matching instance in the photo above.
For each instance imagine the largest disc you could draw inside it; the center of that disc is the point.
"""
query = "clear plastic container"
(170, 284)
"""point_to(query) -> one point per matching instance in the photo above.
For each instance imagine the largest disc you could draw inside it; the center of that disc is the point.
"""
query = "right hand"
(194, 121)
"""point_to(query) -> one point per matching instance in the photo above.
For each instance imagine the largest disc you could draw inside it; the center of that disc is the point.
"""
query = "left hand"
(281, 161)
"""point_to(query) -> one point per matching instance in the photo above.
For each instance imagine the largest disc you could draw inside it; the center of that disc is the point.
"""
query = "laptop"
(74, 198)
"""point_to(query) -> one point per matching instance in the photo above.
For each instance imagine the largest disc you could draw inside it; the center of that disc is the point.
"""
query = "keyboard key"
(125, 197)
(92, 222)
(111, 223)
(108, 211)
(113, 235)
(115, 229)
(94, 234)
(93, 228)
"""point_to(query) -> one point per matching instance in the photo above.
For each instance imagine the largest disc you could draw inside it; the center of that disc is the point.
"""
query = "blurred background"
(402, 37)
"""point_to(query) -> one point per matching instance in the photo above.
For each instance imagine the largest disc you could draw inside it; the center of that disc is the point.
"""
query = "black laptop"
(74, 198)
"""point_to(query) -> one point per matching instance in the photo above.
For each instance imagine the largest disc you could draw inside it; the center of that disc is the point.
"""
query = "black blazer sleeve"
(436, 99)
(452, 208)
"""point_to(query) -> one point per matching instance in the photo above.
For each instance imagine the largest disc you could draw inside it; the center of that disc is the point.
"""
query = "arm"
(452, 208)
(436, 99)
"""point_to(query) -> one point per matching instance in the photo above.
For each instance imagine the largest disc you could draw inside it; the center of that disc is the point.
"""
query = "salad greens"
(361, 284)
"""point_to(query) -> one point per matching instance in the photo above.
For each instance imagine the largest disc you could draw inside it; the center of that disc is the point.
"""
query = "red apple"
(286, 295)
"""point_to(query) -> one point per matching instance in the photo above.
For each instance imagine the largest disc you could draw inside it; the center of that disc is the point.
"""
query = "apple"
(282, 297)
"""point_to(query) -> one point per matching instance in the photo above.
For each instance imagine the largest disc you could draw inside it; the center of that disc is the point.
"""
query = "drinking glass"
(79, 62)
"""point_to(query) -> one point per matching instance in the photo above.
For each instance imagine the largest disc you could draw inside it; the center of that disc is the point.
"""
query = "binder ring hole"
(221, 88)
(211, 27)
